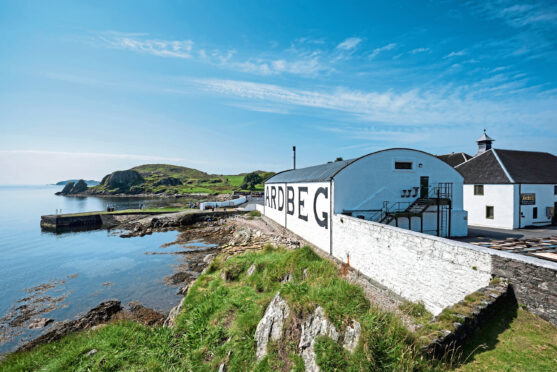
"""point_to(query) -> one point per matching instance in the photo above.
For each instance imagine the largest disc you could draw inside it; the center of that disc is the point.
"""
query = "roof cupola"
(484, 143)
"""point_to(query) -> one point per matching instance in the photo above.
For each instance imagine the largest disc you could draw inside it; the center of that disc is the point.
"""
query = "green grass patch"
(515, 341)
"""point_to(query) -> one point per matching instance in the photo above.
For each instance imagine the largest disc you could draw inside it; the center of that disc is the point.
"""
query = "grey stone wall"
(533, 281)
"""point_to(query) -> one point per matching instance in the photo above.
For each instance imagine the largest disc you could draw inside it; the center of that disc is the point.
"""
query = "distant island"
(167, 180)
(88, 182)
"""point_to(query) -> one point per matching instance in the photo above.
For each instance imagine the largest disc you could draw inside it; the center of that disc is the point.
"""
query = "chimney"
(484, 143)
(294, 151)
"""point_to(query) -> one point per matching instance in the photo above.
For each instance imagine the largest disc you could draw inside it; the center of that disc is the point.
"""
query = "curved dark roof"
(316, 173)
(324, 172)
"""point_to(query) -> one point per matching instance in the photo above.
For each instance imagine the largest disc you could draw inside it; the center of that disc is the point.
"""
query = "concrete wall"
(419, 267)
(303, 208)
(503, 198)
(545, 197)
(373, 179)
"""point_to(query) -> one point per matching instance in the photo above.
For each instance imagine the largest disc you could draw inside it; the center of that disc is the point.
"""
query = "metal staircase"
(439, 196)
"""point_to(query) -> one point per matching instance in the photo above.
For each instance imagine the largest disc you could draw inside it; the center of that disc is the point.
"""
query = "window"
(555, 190)
(489, 212)
(535, 212)
(403, 165)
(478, 189)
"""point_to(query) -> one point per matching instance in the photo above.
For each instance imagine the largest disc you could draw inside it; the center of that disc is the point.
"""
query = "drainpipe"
(519, 206)
(331, 217)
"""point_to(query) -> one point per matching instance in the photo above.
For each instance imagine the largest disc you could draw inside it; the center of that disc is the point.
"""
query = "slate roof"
(510, 166)
(316, 173)
(530, 166)
(455, 158)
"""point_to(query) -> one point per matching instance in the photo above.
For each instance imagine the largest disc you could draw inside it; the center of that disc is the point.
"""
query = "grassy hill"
(224, 306)
(173, 179)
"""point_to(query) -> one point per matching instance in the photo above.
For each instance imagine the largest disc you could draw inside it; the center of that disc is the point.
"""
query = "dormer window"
(403, 165)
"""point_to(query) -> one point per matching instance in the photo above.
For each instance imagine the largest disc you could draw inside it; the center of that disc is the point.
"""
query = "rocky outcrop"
(270, 326)
(170, 320)
(316, 325)
(122, 180)
(68, 188)
(98, 315)
(352, 336)
(73, 188)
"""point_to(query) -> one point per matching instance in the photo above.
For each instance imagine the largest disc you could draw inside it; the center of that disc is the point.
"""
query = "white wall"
(370, 181)
(502, 197)
(545, 197)
(227, 203)
(305, 210)
(419, 267)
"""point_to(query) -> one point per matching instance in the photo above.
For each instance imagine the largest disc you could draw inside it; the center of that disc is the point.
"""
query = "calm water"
(106, 265)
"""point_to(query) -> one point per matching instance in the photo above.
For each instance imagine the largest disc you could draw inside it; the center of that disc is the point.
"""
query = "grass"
(224, 306)
(219, 319)
(516, 341)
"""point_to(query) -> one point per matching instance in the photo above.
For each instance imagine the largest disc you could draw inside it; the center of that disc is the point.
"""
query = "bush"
(255, 213)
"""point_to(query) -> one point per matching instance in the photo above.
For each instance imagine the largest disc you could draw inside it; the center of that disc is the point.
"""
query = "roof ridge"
(474, 157)
(537, 152)
(503, 166)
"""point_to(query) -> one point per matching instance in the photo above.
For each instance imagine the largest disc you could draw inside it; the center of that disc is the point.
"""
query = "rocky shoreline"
(226, 232)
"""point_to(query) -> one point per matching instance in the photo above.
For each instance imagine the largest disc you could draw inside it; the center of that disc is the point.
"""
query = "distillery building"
(406, 188)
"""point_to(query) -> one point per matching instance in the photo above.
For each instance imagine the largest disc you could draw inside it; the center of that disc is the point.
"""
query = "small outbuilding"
(401, 187)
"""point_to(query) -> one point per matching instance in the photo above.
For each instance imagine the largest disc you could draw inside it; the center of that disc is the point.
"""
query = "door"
(424, 186)
(554, 220)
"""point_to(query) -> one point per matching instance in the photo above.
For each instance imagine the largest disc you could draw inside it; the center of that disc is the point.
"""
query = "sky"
(90, 87)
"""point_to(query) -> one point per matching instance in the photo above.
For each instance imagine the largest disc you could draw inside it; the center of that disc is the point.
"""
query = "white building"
(509, 189)
(401, 187)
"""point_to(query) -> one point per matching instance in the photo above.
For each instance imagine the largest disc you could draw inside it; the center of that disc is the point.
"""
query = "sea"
(66, 274)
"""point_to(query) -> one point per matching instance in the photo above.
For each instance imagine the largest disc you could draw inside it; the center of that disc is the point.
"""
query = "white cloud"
(438, 107)
(455, 54)
(420, 50)
(349, 44)
(161, 48)
(385, 48)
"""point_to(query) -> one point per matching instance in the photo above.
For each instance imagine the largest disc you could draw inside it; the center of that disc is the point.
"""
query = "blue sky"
(229, 86)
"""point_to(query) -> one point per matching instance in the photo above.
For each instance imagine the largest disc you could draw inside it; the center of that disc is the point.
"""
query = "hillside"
(160, 179)
(317, 312)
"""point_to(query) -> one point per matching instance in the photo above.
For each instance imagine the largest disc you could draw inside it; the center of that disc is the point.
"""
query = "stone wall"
(533, 281)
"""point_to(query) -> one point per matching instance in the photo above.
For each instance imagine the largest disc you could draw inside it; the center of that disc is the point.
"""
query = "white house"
(401, 187)
(509, 189)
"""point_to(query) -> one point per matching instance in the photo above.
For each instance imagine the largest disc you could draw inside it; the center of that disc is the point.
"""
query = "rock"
(144, 315)
(39, 323)
(170, 320)
(241, 236)
(67, 189)
(100, 314)
(316, 325)
(80, 186)
(122, 180)
(270, 326)
(92, 352)
(251, 270)
(352, 336)
(209, 258)
(287, 278)
(305, 273)
(222, 368)
(184, 290)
